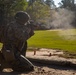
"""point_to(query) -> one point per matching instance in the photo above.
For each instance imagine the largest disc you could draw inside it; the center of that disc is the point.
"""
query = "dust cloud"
(63, 19)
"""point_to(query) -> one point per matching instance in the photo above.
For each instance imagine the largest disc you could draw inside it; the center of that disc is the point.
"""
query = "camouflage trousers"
(17, 61)
(3, 63)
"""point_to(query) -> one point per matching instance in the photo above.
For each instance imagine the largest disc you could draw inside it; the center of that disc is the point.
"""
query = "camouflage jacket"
(15, 33)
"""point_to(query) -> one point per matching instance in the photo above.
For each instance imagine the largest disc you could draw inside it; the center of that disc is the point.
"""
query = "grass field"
(54, 39)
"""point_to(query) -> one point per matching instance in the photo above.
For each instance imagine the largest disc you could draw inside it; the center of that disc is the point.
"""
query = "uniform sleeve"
(19, 32)
(22, 33)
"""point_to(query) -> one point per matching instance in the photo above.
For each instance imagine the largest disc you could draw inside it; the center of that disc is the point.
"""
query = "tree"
(30, 2)
(69, 4)
(50, 3)
(9, 7)
(38, 11)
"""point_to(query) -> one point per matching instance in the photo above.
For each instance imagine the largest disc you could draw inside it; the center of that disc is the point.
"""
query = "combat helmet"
(22, 17)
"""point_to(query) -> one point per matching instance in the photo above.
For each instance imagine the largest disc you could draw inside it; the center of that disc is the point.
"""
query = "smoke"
(68, 34)
(62, 18)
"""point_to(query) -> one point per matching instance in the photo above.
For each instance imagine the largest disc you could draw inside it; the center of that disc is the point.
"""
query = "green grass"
(1, 45)
(51, 39)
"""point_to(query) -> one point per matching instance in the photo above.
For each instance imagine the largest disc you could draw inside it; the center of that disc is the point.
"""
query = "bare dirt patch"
(42, 69)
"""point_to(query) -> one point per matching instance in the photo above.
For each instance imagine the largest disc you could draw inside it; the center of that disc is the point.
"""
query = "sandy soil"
(44, 70)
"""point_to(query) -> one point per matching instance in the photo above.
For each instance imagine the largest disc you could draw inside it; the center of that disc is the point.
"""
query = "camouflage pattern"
(14, 39)
(16, 35)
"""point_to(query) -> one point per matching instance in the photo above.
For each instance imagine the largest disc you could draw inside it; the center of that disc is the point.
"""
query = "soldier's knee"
(23, 64)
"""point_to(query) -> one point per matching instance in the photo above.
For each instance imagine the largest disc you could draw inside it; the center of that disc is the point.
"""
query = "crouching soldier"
(14, 42)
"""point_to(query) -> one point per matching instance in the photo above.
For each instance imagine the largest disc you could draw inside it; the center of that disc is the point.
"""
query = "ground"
(48, 69)
(43, 71)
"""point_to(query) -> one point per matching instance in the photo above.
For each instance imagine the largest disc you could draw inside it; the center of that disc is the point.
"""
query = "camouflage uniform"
(14, 42)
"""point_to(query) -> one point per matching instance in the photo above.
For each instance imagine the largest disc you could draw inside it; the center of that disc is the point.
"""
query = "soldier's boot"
(23, 64)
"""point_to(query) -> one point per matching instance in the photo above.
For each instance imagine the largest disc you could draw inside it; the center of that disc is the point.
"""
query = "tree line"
(40, 10)
(70, 5)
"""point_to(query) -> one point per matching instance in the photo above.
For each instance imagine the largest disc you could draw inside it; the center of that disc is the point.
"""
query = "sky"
(56, 2)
